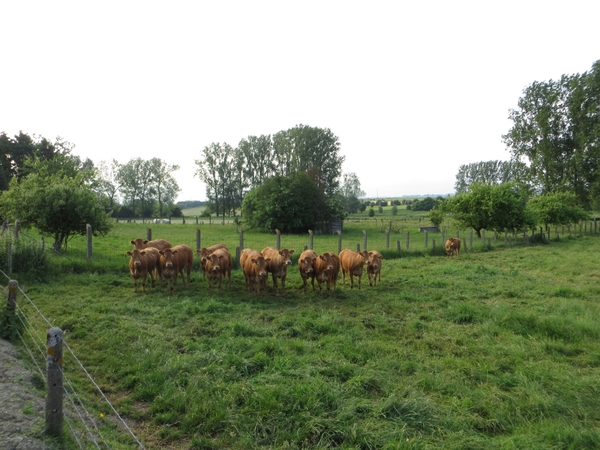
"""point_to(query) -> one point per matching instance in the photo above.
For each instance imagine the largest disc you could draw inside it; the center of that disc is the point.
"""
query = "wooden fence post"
(387, 239)
(11, 302)
(241, 239)
(364, 239)
(339, 241)
(149, 233)
(9, 256)
(88, 229)
(198, 239)
(17, 227)
(54, 376)
(278, 239)
(311, 239)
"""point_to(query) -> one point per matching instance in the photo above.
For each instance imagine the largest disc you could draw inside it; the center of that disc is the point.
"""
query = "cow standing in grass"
(323, 267)
(218, 265)
(279, 260)
(254, 266)
(173, 261)
(453, 247)
(203, 254)
(305, 266)
(142, 263)
(374, 267)
(352, 264)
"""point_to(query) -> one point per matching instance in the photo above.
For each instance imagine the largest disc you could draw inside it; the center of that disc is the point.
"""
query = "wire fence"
(87, 427)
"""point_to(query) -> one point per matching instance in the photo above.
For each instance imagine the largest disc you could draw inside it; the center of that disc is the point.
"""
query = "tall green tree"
(163, 183)
(557, 208)
(489, 172)
(291, 204)
(350, 192)
(256, 154)
(59, 207)
(489, 207)
(556, 131)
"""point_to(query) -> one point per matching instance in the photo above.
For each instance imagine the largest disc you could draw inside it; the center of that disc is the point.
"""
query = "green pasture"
(497, 349)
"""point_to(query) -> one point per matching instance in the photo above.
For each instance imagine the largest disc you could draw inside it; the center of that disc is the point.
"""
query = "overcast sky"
(413, 90)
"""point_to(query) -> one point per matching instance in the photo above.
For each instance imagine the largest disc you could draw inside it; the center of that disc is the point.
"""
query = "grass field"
(496, 349)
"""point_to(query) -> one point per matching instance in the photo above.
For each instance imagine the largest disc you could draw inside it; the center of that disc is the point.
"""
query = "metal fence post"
(54, 396)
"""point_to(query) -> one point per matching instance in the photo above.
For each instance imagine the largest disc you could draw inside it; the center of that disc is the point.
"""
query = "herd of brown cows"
(160, 260)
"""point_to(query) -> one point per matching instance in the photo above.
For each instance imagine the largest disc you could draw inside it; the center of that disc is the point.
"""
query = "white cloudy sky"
(412, 89)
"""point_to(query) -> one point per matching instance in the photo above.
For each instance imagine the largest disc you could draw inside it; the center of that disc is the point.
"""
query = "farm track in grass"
(495, 349)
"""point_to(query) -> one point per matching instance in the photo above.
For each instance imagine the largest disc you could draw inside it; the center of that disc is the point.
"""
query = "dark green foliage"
(425, 204)
(490, 207)
(290, 204)
(557, 208)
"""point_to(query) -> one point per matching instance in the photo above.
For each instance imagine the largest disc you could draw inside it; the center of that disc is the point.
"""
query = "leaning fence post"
(13, 288)
(54, 396)
(88, 228)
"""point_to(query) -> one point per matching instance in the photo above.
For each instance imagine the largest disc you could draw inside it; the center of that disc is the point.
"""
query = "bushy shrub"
(28, 257)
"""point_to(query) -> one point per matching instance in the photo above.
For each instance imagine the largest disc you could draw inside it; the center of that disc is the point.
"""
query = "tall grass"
(495, 349)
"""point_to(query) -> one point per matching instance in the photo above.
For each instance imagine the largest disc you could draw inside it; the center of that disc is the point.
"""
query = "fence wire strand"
(72, 396)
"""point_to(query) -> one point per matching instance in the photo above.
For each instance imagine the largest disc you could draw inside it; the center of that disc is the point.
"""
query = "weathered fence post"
(54, 376)
(387, 239)
(149, 233)
(277, 239)
(364, 239)
(9, 261)
(88, 229)
(241, 239)
(339, 232)
(198, 239)
(17, 227)
(11, 302)
(358, 247)
(311, 239)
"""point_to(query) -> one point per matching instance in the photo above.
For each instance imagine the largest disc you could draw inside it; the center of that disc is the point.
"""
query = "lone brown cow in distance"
(218, 265)
(254, 266)
(159, 244)
(279, 260)
(306, 267)
(453, 247)
(352, 264)
(374, 267)
(142, 263)
(203, 254)
(173, 261)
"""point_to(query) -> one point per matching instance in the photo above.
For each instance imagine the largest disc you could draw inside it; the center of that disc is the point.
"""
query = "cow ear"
(253, 260)
(132, 242)
(291, 252)
(161, 252)
(143, 252)
(146, 241)
(129, 253)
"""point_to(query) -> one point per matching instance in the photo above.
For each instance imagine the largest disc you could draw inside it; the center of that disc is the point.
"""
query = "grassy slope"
(494, 350)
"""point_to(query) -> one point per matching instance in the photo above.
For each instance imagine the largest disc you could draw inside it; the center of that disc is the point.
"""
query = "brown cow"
(142, 263)
(159, 244)
(254, 266)
(352, 264)
(335, 259)
(217, 265)
(173, 261)
(453, 246)
(323, 267)
(203, 254)
(305, 266)
(277, 266)
(374, 267)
